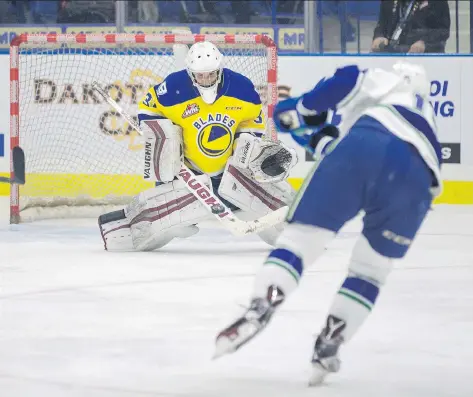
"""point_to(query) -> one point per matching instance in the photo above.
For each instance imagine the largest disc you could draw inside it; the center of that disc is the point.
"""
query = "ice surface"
(78, 321)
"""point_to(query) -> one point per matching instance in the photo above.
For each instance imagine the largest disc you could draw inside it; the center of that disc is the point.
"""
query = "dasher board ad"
(63, 86)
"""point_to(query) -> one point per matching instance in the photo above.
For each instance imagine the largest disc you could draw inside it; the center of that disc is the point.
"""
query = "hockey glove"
(291, 116)
(316, 140)
(268, 162)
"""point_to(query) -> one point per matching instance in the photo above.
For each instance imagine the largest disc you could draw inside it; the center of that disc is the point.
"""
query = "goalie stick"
(205, 195)
(18, 161)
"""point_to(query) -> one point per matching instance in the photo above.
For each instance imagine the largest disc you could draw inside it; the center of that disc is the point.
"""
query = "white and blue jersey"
(387, 162)
(396, 99)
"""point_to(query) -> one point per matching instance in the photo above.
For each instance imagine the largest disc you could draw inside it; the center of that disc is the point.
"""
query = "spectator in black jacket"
(414, 26)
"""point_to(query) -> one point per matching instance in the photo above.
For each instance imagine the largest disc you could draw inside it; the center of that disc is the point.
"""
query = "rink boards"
(71, 185)
(451, 87)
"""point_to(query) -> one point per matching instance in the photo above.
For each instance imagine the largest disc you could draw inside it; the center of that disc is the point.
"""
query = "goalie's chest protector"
(208, 130)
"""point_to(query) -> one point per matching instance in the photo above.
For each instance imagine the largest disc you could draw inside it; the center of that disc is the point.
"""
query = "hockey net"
(82, 158)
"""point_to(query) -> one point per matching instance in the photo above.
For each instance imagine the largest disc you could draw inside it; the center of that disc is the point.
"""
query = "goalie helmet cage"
(81, 158)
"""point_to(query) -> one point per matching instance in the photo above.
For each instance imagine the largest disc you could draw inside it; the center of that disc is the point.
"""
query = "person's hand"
(377, 42)
(417, 47)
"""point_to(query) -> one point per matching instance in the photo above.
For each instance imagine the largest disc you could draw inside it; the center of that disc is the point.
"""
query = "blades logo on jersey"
(191, 109)
(214, 140)
(215, 136)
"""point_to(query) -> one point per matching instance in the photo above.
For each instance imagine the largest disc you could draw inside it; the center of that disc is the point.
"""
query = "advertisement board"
(107, 143)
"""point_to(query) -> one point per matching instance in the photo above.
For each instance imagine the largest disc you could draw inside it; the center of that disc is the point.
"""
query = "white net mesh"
(79, 151)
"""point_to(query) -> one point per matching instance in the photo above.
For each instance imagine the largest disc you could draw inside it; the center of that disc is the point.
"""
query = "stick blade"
(242, 228)
(18, 158)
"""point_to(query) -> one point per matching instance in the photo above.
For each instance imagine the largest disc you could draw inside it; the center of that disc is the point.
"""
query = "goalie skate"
(325, 358)
(250, 324)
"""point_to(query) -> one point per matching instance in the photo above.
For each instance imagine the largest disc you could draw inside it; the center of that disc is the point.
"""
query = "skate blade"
(223, 346)
(317, 375)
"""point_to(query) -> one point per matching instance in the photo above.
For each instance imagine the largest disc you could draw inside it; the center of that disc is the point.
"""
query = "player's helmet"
(204, 65)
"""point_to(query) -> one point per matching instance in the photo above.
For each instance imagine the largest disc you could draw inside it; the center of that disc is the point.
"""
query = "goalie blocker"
(252, 184)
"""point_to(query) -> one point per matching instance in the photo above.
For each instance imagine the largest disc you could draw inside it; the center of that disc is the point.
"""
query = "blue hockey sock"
(359, 290)
(282, 268)
(287, 260)
(354, 302)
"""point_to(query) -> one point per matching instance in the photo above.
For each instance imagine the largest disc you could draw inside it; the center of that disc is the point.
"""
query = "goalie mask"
(204, 65)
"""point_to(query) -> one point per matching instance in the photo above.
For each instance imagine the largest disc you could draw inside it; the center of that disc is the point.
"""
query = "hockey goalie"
(210, 118)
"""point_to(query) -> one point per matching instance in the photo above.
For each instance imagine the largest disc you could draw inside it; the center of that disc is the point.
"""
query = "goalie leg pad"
(240, 189)
(154, 218)
(117, 223)
(255, 199)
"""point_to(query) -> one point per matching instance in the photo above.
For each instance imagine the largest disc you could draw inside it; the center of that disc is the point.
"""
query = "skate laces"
(328, 342)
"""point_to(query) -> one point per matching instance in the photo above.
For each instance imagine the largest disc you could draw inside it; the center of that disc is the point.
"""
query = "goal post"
(82, 158)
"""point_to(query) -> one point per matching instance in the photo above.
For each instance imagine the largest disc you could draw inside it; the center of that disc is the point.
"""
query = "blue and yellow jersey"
(208, 131)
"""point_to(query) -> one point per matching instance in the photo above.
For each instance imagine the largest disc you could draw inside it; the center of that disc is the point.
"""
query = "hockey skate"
(250, 324)
(325, 358)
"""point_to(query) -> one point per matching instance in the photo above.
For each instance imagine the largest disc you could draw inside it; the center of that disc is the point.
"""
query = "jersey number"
(419, 102)
(259, 119)
(147, 99)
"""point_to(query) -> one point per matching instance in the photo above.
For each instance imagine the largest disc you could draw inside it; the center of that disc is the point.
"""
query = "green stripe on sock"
(286, 267)
(356, 295)
(355, 299)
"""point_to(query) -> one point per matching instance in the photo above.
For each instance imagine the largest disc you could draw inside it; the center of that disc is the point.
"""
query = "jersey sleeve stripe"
(153, 112)
(143, 116)
(254, 132)
(419, 123)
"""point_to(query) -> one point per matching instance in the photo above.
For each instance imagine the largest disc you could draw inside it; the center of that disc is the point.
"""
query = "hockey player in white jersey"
(385, 160)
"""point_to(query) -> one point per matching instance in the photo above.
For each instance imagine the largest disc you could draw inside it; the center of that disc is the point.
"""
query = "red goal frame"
(128, 39)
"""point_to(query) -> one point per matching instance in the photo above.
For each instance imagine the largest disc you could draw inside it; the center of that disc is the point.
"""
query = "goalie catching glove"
(268, 162)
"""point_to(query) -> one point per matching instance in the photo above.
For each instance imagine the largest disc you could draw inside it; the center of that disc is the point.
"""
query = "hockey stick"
(18, 160)
(204, 194)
